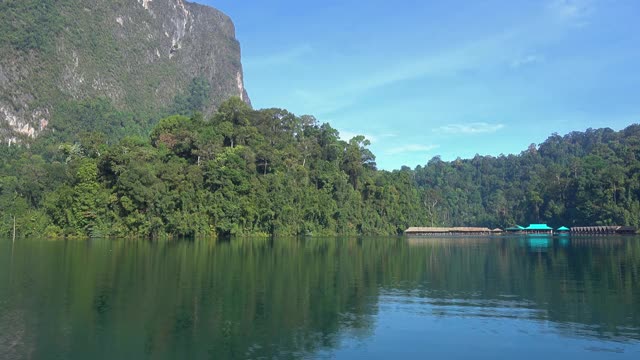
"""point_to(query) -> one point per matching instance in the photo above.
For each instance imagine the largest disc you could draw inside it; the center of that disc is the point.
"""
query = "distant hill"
(137, 57)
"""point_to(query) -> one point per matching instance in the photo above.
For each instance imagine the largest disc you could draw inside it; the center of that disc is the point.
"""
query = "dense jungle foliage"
(270, 172)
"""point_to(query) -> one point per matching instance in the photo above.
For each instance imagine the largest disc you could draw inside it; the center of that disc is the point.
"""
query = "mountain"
(139, 57)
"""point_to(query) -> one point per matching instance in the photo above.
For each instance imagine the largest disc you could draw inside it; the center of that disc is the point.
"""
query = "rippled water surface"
(366, 298)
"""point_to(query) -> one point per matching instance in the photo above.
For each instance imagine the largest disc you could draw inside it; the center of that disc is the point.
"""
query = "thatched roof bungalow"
(513, 229)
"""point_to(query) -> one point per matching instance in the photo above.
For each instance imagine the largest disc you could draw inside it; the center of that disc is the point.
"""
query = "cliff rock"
(139, 54)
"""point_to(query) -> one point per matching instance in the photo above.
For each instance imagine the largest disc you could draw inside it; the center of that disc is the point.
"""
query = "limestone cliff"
(139, 54)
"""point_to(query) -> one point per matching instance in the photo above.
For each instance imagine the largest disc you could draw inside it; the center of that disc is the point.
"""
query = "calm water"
(321, 298)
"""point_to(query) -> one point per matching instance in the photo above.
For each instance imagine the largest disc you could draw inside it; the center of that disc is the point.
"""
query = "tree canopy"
(244, 171)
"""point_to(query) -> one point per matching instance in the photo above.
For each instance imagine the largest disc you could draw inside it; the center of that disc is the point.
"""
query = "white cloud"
(449, 62)
(526, 60)
(388, 135)
(278, 59)
(480, 54)
(472, 55)
(511, 48)
(572, 12)
(469, 129)
(483, 53)
(411, 148)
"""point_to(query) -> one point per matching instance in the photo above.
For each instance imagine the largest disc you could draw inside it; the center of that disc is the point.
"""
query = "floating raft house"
(531, 229)
(603, 230)
(538, 229)
(514, 229)
(435, 231)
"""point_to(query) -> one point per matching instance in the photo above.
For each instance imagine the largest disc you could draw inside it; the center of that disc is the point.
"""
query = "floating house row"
(587, 230)
(531, 229)
(621, 230)
(427, 231)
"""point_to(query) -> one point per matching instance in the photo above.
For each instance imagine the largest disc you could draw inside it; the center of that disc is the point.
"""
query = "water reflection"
(290, 298)
(539, 243)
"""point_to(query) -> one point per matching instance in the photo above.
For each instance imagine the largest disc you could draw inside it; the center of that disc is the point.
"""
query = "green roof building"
(538, 229)
(563, 228)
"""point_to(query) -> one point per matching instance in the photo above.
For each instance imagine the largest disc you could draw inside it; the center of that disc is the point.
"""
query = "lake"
(356, 298)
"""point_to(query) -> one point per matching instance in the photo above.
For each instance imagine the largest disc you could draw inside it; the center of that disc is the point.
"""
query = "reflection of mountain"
(288, 298)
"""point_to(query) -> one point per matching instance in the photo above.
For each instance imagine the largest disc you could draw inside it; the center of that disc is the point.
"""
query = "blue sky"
(448, 78)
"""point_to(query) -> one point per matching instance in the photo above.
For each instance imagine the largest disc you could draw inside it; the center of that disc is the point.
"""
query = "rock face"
(139, 54)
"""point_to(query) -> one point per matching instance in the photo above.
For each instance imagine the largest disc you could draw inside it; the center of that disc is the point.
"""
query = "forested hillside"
(582, 178)
(243, 171)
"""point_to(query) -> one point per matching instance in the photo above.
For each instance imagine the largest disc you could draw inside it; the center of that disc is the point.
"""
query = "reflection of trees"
(592, 285)
(193, 299)
(14, 340)
(290, 297)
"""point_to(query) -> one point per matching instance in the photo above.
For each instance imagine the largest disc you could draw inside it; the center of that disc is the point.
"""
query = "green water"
(321, 298)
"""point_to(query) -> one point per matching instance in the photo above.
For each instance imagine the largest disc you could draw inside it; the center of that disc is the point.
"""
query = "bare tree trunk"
(431, 210)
